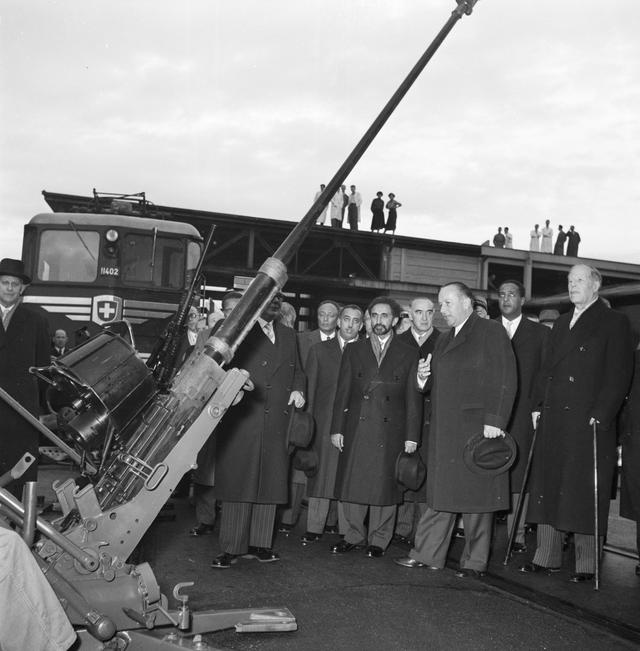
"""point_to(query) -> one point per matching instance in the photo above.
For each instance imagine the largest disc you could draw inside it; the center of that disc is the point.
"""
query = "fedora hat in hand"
(485, 456)
(10, 267)
(300, 429)
(410, 471)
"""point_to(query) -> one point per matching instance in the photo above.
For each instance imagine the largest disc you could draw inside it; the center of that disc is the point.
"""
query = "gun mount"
(148, 438)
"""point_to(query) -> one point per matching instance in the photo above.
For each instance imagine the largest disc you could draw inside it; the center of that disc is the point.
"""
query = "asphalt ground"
(354, 602)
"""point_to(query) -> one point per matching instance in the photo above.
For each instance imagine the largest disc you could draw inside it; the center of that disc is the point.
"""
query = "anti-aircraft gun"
(85, 555)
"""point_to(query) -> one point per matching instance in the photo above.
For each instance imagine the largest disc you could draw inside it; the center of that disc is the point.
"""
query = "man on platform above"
(584, 379)
(547, 238)
(499, 239)
(24, 342)
(422, 336)
(252, 461)
(558, 248)
(376, 415)
(322, 368)
(529, 342)
(472, 379)
(573, 238)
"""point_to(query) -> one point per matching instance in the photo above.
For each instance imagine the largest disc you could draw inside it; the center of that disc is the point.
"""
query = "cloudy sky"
(529, 110)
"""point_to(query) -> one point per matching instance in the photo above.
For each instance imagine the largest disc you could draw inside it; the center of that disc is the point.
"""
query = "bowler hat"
(305, 460)
(486, 456)
(410, 471)
(10, 267)
(300, 429)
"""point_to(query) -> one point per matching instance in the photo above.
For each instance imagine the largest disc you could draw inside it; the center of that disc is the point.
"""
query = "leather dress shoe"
(373, 551)
(468, 573)
(310, 537)
(532, 568)
(285, 528)
(331, 530)
(401, 540)
(519, 548)
(581, 577)
(224, 561)
(343, 547)
(262, 554)
(201, 530)
(407, 561)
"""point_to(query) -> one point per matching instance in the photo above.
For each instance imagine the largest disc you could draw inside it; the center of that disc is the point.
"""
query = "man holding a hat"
(472, 379)
(24, 342)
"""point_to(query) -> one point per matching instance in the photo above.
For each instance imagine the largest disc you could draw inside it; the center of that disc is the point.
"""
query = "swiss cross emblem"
(106, 309)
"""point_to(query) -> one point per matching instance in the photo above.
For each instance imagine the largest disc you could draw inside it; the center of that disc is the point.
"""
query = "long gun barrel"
(272, 275)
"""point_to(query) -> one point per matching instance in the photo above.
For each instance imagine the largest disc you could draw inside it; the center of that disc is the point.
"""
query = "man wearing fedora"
(377, 413)
(252, 460)
(529, 342)
(472, 380)
(24, 342)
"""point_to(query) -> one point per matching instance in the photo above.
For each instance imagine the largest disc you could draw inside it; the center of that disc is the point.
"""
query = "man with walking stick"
(583, 382)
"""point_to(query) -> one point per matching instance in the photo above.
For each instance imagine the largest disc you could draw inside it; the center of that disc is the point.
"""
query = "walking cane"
(519, 503)
(595, 505)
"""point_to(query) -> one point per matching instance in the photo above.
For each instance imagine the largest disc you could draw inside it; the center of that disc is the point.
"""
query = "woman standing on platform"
(377, 213)
(392, 218)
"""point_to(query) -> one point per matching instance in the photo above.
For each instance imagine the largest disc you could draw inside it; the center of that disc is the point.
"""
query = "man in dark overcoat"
(252, 462)
(24, 342)
(529, 341)
(630, 441)
(327, 319)
(472, 378)
(423, 337)
(376, 415)
(322, 369)
(584, 380)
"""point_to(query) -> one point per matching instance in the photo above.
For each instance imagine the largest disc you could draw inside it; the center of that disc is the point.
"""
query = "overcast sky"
(529, 110)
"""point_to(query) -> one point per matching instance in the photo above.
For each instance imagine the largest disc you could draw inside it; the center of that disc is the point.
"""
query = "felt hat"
(485, 456)
(305, 460)
(300, 429)
(10, 267)
(548, 316)
(410, 471)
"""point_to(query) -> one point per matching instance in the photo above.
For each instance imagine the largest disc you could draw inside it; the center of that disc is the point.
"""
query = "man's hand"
(410, 447)
(297, 399)
(535, 418)
(491, 432)
(338, 441)
(247, 386)
(424, 369)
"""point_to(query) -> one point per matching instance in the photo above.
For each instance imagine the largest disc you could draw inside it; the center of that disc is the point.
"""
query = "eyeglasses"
(508, 294)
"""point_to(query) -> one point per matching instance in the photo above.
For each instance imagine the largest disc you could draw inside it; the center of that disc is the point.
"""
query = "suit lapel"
(569, 339)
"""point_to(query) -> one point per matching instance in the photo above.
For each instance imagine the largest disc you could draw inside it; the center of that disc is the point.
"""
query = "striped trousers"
(244, 525)
(549, 549)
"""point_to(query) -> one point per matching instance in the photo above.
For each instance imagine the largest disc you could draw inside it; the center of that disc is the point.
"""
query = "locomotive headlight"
(112, 235)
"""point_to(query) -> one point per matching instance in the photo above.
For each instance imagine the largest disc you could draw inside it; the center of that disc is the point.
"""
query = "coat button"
(362, 418)
(571, 378)
(366, 397)
(263, 363)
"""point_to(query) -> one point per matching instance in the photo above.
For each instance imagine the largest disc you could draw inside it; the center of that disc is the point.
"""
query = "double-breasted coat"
(529, 346)
(630, 441)
(473, 383)
(376, 409)
(426, 348)
(586, 374)
(252, 460)
(25, 343)
(322, 368)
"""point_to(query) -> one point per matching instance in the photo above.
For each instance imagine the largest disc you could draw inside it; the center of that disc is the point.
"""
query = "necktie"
(268, 330)
(509, 330)
(5, 318)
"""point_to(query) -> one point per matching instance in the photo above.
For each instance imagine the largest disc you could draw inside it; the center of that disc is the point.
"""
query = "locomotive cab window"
(154, 260)
(68, 256)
